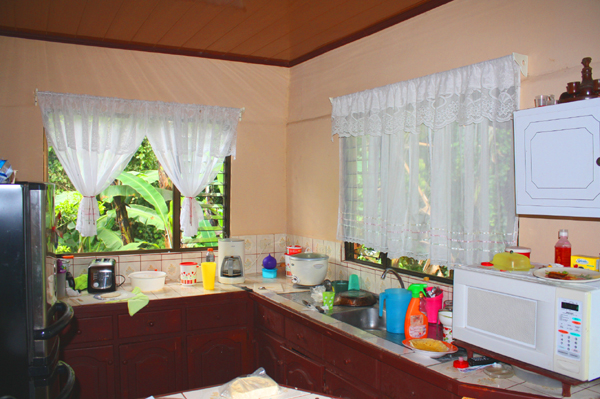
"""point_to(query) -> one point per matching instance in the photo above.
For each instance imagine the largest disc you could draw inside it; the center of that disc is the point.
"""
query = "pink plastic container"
(433, 306)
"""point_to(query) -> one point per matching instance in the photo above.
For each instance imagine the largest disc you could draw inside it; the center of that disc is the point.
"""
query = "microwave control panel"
(569, 323)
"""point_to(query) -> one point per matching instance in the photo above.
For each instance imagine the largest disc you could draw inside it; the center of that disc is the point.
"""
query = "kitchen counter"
(213, 393)
(269, 290)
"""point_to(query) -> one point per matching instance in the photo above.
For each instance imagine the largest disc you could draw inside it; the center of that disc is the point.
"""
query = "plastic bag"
(251, 386)
(316, 293)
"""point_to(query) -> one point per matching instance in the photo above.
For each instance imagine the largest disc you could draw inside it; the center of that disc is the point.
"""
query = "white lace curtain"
(191, 142)
(95, 137)
(426, 165)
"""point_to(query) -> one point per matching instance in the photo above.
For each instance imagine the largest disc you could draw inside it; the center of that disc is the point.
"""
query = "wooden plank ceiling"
(272, 32)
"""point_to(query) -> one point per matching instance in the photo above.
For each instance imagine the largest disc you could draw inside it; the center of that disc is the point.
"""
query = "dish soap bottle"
(562, 249)
(415, 323)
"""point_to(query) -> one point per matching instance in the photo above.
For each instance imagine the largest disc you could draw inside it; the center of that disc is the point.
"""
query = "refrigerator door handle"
(54, 329)
(64, 368)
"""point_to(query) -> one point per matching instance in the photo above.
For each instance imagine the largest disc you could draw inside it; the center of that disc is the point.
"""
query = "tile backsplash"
(257, 247)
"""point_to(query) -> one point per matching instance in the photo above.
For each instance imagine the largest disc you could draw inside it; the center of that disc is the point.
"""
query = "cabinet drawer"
(150, 323)
(82, 330)
(351, 361)
(216, 315)
(270, 320)
(304, 337)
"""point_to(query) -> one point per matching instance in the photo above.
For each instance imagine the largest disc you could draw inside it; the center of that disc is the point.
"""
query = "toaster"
(101, 276)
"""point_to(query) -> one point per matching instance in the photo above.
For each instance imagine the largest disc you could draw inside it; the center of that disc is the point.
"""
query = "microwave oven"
(550, 324)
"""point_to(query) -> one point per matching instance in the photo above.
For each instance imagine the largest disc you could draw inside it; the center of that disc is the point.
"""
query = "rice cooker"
(308, 268)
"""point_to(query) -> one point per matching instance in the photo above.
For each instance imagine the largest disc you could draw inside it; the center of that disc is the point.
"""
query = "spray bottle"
(415, 324)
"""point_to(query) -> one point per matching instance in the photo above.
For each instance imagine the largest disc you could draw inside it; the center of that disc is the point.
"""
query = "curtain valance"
(487, 90)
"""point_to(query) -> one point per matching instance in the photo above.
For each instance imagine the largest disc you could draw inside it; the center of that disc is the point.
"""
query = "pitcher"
(396, 302)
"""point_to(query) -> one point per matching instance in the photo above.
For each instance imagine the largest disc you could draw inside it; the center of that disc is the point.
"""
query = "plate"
(431, 354)
(577, 275)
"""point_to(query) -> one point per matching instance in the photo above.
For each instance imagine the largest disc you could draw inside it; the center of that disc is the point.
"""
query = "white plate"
(431, 354)
(593, 275)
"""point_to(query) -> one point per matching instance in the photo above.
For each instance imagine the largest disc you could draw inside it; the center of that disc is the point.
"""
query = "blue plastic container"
(396, 302)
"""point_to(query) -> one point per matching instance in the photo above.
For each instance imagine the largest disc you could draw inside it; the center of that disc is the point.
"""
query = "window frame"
(176, 213)
(386, 262)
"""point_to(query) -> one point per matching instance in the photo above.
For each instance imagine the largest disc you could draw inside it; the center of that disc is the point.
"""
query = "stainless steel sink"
(365, 318)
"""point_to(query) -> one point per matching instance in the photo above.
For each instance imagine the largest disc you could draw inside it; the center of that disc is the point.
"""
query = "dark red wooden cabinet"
(346, 388)
(302, 372)
(170, 345)
(95, 371)
(151, 368)
(216, 358)
(270, 355)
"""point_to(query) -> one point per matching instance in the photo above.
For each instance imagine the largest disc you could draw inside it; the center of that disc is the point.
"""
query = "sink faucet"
(389, 269)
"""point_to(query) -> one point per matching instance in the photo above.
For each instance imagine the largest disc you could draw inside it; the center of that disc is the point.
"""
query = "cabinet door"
(270, 356)
(302, 372)
(397, 384)
(557, 159)
(216, 358)
(151, 368)
(94, 371)
(342, 388)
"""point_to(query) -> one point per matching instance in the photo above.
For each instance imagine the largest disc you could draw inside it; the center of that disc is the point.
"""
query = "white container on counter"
(148, 281)
(308, 268)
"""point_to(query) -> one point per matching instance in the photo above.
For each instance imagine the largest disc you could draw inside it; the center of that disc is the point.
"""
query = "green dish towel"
(136, 302)
(81, 282)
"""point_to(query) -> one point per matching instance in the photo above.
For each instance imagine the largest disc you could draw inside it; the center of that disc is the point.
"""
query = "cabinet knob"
(151, 323)
(110, 362)
(347, 361)
(598, 161)
(78, 332)
(124, 361)
(280, 362)
(300, 336)
(218, 317)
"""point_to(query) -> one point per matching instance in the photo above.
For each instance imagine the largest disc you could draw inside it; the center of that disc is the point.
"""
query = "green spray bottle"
(415, 323)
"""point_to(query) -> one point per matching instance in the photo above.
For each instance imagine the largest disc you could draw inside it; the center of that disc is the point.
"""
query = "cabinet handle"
(280, 362)
(598, 161)
(347, 361)
(151, 323)
(300, 336)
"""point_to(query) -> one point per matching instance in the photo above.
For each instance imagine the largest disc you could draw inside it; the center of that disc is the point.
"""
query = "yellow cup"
(208, 275)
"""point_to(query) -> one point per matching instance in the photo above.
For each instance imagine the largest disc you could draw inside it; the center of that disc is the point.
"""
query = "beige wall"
(287, 182)
(555, 34)
(258, 173)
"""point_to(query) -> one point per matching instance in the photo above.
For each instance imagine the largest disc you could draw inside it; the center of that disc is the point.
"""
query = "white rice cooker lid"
(308, 256)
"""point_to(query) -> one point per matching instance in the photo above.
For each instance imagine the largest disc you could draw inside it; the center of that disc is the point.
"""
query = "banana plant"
(157, 216)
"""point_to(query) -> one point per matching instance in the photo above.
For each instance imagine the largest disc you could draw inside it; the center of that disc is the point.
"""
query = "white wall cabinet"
(557, 160)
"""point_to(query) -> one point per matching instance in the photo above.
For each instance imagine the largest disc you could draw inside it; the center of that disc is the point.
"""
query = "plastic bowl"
(511, 262)
(148, 281)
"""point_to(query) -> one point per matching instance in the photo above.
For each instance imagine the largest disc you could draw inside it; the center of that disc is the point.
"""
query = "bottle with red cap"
(562, 249)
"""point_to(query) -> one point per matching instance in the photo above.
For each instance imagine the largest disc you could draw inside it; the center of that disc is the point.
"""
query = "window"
(427, 168)
(137, 212)
(404, 264)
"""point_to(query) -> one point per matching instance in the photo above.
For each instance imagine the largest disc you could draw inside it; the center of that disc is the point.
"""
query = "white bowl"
(148, 281)
(445, 317)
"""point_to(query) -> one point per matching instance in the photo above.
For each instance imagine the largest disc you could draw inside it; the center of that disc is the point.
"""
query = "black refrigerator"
(31, 317)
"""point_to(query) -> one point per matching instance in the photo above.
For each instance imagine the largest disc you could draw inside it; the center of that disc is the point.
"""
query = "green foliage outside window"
(136, 211)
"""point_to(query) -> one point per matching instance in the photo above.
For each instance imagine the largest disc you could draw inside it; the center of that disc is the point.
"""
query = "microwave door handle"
(54, 329)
